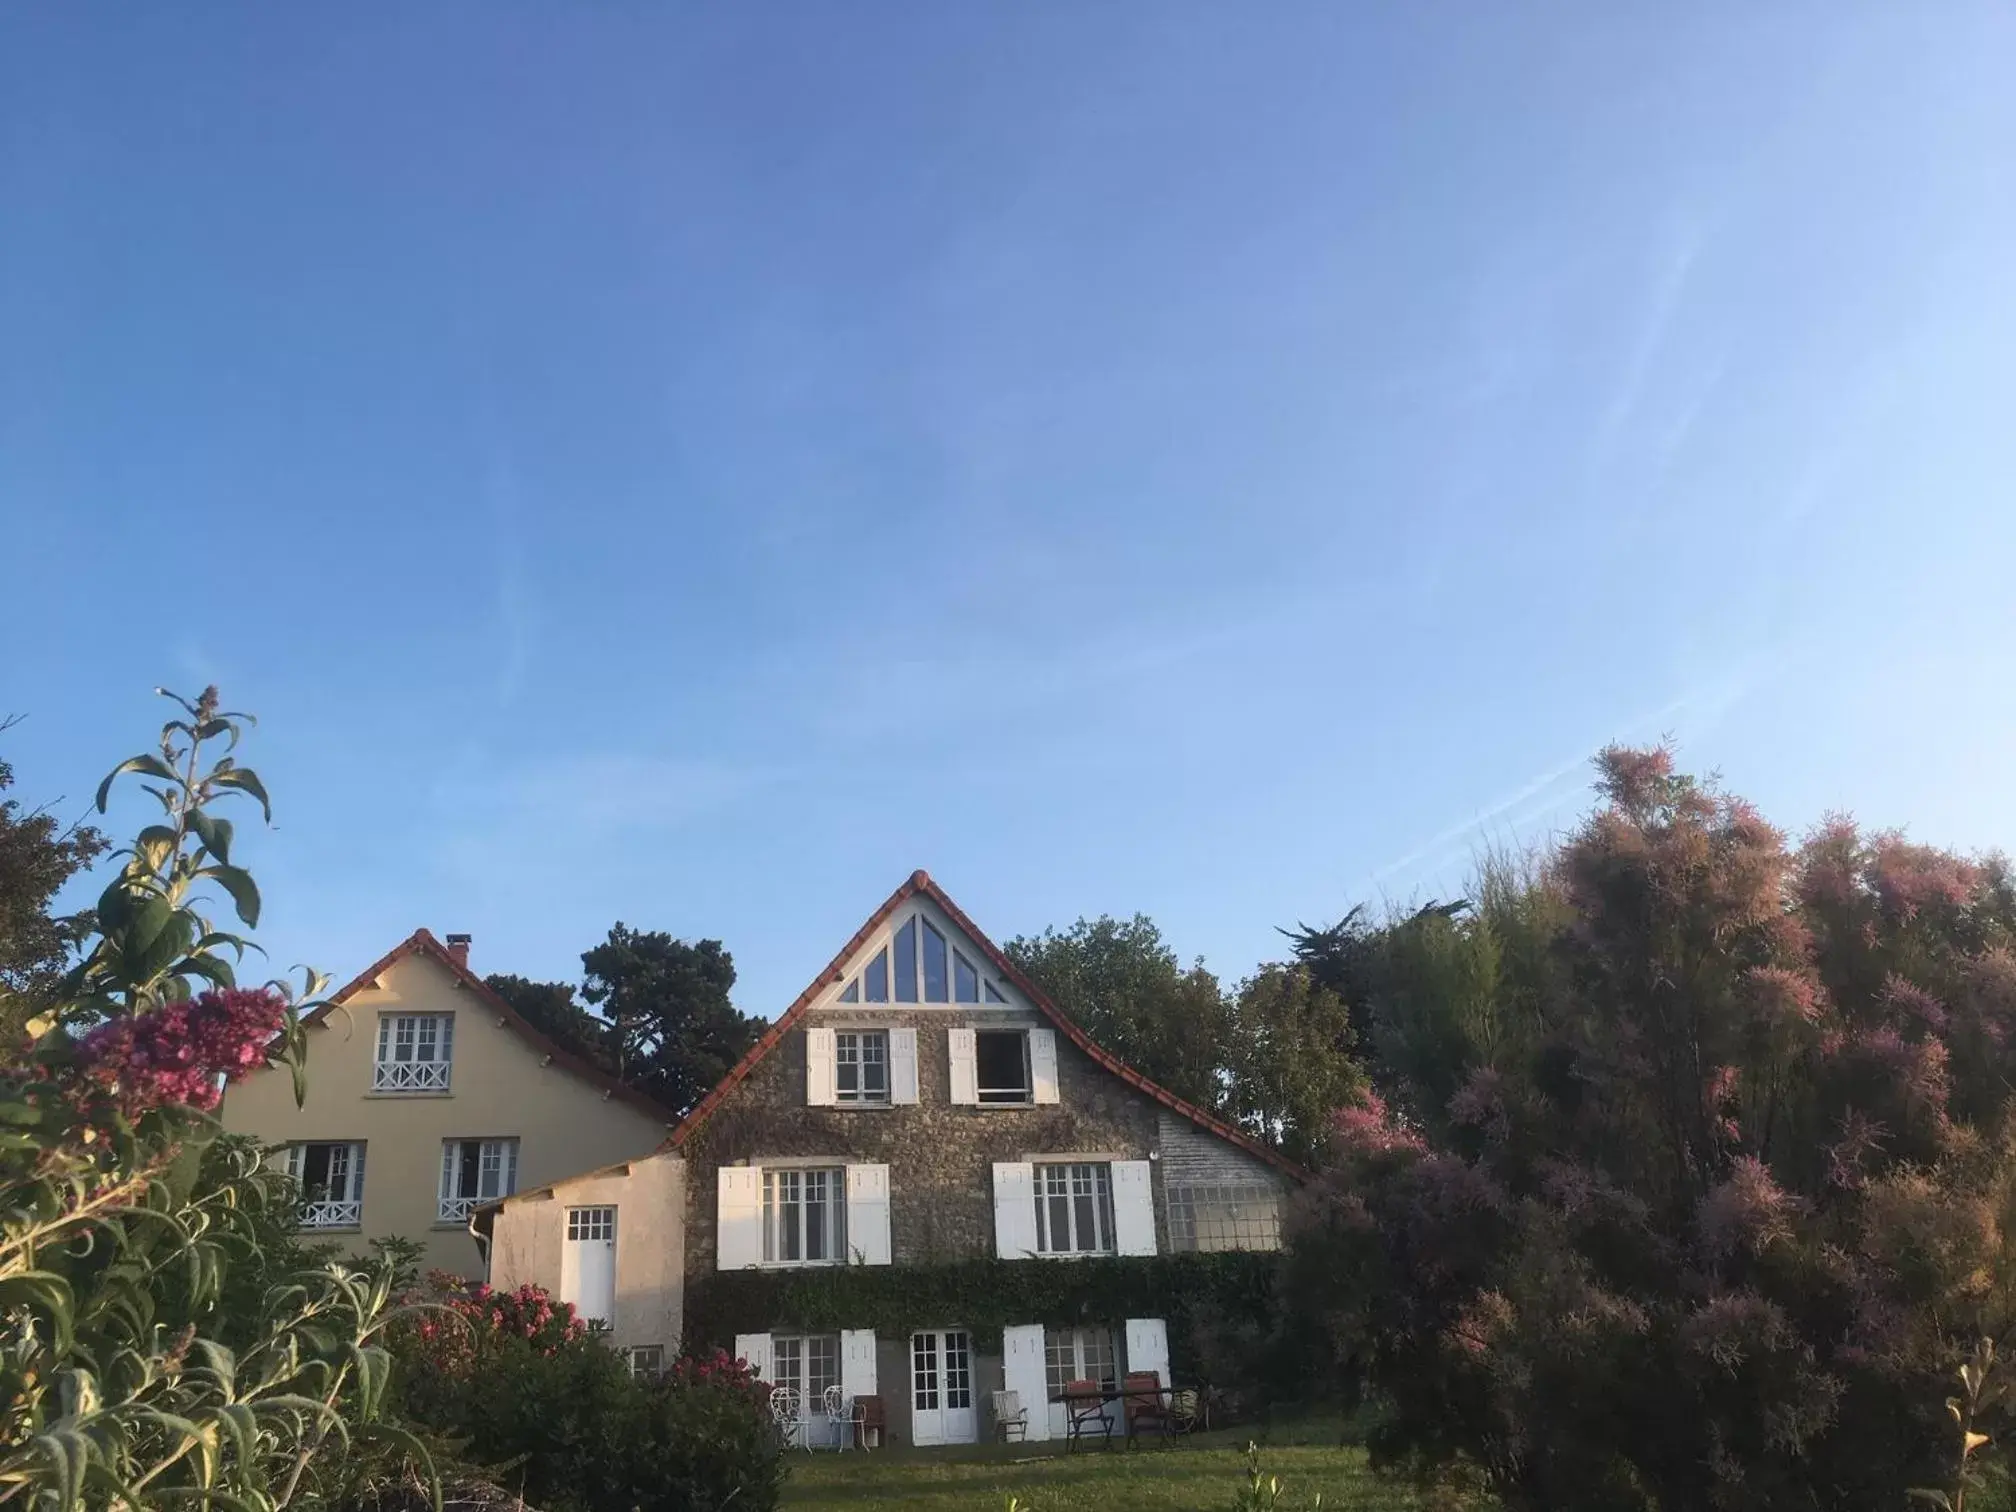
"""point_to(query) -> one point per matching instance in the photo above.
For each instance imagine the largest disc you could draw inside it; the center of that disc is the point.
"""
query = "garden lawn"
(1197, 1475)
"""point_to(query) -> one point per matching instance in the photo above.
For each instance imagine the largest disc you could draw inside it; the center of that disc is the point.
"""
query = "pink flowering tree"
(1688, 1179)
(132, 1371)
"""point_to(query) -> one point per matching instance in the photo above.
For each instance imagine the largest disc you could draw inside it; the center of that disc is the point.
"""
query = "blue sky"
(693, 465)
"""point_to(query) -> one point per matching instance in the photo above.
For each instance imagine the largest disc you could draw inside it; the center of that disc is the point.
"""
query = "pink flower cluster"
(719, 1369)
(1369, 1128)
(1910, 878)
(183, 1052)
(1748, 1211)
(476, 1311)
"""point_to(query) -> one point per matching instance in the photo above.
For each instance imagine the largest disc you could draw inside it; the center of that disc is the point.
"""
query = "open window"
(1001, 1066)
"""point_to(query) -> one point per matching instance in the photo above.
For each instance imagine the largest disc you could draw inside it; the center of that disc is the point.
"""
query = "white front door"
(941, 1388)
(588, 1264)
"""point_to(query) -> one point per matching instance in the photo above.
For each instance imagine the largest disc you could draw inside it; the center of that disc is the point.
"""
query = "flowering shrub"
(456, 1317)
(1690, 1181)
(525, 1387)
(156, 1351)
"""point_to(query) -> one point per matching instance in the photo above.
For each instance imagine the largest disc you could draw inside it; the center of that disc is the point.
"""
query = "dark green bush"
(566, 1425)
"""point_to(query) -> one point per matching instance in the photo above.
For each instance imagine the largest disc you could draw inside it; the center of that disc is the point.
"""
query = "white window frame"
(990, 1097)
(341, 1204)
(646, 1361)
(496, 1176)
(1073, 1181)
(791, 1364)
(1207, 1217)
(1074, 1352)
(400, 1065)
(785, 1210)
(851, 1050)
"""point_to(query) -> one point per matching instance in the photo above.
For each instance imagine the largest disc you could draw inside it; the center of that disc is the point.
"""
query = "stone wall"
(940, 1156)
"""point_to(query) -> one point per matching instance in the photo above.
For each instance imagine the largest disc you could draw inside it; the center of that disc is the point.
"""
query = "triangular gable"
(422, 943)
(850, 967)
(919, 958)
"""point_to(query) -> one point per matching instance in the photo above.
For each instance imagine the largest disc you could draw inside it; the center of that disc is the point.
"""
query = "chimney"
(458, 947)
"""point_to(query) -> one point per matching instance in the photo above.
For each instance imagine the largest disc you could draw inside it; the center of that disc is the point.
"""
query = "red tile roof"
(422, 943)
(920, 883)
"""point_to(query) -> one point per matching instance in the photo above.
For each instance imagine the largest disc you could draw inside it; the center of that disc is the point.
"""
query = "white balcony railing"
(332, 1214)
(410, 1076)
(458, 1209)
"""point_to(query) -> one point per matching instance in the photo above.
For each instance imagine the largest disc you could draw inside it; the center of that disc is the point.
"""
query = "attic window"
(920, 965)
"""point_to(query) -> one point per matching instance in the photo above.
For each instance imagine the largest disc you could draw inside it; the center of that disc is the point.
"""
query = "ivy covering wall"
(1193, 1292)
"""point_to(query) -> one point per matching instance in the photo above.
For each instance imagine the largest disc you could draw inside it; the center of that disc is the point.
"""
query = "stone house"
(922, 1102)
(428, 1095)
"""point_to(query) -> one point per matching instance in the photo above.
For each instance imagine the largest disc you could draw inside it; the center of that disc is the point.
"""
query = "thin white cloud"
(1702, 706)
(1669, 292)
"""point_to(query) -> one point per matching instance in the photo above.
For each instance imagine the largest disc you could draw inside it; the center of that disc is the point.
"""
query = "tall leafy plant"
(122, 1216)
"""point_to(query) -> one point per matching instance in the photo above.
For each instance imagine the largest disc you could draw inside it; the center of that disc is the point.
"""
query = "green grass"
(1203, 1474)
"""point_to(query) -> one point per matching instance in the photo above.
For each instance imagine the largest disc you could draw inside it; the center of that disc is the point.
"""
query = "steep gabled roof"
(921, 885)
(422, 943)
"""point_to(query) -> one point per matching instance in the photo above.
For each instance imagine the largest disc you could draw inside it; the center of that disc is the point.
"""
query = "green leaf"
(212, 969)
(238, 882)
(153, 766)
(46, 1293)
(247, 781)
(215, 833)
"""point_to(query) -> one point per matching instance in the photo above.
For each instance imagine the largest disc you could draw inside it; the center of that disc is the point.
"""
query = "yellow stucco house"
(428, 1096)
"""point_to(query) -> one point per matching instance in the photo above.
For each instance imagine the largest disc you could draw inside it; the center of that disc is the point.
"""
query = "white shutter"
(903, 1066)
(1022, 1372)
(1014, 1209)
(755, 1348)
(819, 1068)
(294, 1155)
(1133, 1208)
(868, 1213)
(965, 1074)
(738, 1218)
(1148, 1347)
(1043, 1064)
(857, 1362)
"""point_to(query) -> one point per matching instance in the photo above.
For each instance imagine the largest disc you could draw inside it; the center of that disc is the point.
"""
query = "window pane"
(1002, 1065)
(875, 980)
(822, 1365)
(853, 992)
(965, 980)
(994, 994)
(906, 963)
(934, 965)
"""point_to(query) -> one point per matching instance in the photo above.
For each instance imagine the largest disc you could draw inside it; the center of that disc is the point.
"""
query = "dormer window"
(919, 965)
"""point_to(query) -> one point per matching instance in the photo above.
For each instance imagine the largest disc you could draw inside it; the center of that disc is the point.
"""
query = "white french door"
(588, 1264)
(941, 1388)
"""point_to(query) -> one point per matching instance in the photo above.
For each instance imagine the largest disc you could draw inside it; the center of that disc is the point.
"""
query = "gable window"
(473, 1172)
(331, 1174)
(1224, 1217)
(804, 1216)
(919, 965)
(861, 1065)
(1078, 1354)
(414, 1052)
(1001, 1066)
(1074, 1209)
